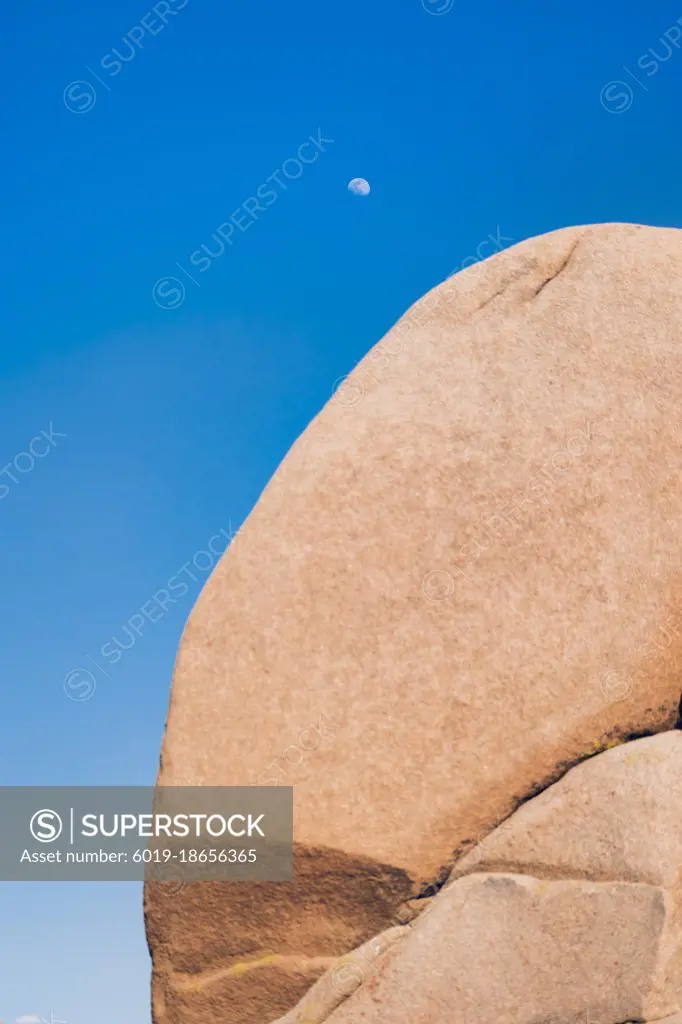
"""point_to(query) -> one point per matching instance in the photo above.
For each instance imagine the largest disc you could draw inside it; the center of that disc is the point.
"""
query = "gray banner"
(128, 833)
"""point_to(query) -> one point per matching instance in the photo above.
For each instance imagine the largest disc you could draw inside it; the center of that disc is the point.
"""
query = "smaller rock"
(512, 949)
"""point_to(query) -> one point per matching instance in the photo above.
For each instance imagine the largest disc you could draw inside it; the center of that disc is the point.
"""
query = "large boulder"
(463, 579)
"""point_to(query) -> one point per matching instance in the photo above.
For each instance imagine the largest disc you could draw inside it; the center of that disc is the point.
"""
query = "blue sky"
(468, 119)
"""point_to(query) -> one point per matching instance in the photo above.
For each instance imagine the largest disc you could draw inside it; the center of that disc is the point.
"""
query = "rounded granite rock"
(464, 577)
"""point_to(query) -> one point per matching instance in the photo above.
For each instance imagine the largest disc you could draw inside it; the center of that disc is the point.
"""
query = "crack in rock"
(559, 271)
(543, 284)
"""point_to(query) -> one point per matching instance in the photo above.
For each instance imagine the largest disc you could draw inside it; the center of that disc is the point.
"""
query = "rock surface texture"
(464, 578)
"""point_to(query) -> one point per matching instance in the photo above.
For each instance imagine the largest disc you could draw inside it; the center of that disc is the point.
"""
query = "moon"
(359, 187)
